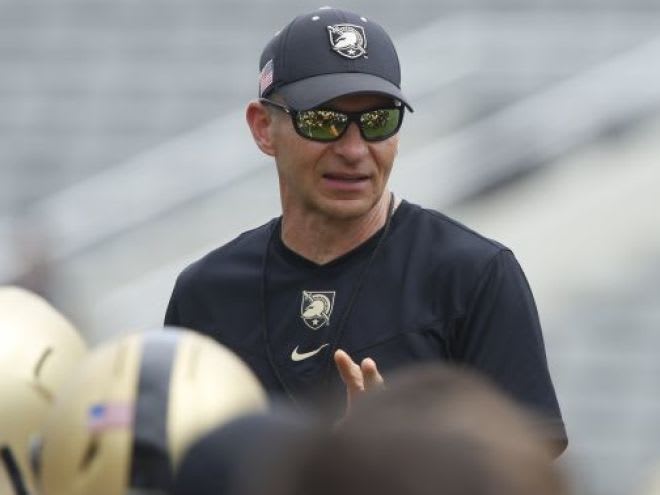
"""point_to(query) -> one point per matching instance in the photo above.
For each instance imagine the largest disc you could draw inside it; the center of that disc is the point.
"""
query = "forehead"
(355, 103)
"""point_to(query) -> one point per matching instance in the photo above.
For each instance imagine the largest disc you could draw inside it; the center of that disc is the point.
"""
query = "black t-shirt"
(434, 290)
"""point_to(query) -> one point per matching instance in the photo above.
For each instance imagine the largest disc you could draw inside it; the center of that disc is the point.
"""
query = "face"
(343, 179)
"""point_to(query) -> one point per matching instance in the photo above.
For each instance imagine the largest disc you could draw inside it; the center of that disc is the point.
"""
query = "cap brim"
(314, 91)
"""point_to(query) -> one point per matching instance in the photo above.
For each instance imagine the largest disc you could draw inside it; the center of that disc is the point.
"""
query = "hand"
(358, 379)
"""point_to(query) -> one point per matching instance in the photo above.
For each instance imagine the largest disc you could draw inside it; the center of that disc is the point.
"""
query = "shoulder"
(445, 237)
(238, 258)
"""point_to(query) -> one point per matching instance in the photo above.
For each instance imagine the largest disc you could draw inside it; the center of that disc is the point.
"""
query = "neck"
(322, 239)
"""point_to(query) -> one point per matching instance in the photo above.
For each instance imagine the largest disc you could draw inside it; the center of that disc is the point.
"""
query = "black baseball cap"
(329, 53)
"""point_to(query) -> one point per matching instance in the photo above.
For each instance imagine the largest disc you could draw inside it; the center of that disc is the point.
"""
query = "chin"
(348, 209)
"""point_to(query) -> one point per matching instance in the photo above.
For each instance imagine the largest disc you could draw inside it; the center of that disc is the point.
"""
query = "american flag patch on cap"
(266, 77)
(101, 417)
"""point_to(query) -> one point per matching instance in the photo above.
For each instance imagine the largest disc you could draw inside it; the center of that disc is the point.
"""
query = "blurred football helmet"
(39, 345)
(39, 349)
(137, 403)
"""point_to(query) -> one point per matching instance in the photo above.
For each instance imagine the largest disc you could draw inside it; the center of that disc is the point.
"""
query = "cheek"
(385, 155)
(296, 154)
(280, 136)
(394, 147)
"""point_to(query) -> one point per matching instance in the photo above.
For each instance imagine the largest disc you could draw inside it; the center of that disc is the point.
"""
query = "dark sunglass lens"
(379, 124)
(322, 125)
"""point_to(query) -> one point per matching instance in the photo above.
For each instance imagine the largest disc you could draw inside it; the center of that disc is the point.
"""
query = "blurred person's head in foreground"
(39, 350)
(231, 459)
(122, 425)
(445, 396)
(433, 430)
(650, 483)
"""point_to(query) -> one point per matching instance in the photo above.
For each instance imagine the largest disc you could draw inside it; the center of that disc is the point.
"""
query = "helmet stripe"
(151, 467)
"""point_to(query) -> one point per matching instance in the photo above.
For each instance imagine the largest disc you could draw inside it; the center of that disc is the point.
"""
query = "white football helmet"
(38, 352)
(122, 425)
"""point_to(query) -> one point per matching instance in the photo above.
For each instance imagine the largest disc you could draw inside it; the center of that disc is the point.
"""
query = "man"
(349, 273)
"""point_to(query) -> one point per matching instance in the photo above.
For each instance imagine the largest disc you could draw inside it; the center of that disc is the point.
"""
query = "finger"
(350, 372)
(372, 378)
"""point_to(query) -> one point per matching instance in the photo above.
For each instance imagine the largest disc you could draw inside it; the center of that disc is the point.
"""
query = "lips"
(345, 177)
(346, 183)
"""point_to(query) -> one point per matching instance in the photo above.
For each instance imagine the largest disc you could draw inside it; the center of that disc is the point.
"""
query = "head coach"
(351, 281)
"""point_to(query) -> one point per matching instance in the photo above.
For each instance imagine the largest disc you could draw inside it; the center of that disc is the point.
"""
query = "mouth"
(344, 183)
(346, 177)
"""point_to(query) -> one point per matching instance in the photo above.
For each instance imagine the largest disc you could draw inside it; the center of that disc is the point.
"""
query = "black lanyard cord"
(264, 317)
(356, 291)
(325, 375)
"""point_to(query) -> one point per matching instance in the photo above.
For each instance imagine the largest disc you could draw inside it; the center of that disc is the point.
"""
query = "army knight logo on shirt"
(316, 308)
(348, 40)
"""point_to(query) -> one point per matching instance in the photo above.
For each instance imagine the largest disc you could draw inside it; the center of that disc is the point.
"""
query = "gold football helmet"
(38, 351)
(122, 425)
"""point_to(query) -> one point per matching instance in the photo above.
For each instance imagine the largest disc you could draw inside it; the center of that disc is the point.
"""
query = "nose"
(351, 146)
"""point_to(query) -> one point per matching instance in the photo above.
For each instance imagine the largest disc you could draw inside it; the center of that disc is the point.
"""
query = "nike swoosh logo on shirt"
(301, 356)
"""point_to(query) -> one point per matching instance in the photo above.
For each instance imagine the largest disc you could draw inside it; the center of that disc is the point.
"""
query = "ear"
(261, 122)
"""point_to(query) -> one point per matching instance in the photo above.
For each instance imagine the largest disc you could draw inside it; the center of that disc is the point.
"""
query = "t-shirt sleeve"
(501, 336)
(172, 312)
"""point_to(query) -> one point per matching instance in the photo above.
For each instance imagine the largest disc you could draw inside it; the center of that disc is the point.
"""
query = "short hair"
(232, 457)
(434, 429)
(456, 397)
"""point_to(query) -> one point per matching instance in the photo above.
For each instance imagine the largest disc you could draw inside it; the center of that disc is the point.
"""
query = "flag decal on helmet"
(109, 416)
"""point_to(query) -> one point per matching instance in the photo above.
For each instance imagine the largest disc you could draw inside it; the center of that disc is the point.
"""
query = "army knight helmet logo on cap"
(348, 40)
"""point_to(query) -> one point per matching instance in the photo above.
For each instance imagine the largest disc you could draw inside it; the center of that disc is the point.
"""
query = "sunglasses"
(325, 124)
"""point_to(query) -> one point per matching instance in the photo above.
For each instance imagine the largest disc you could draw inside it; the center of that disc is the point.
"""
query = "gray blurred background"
(124, 156)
